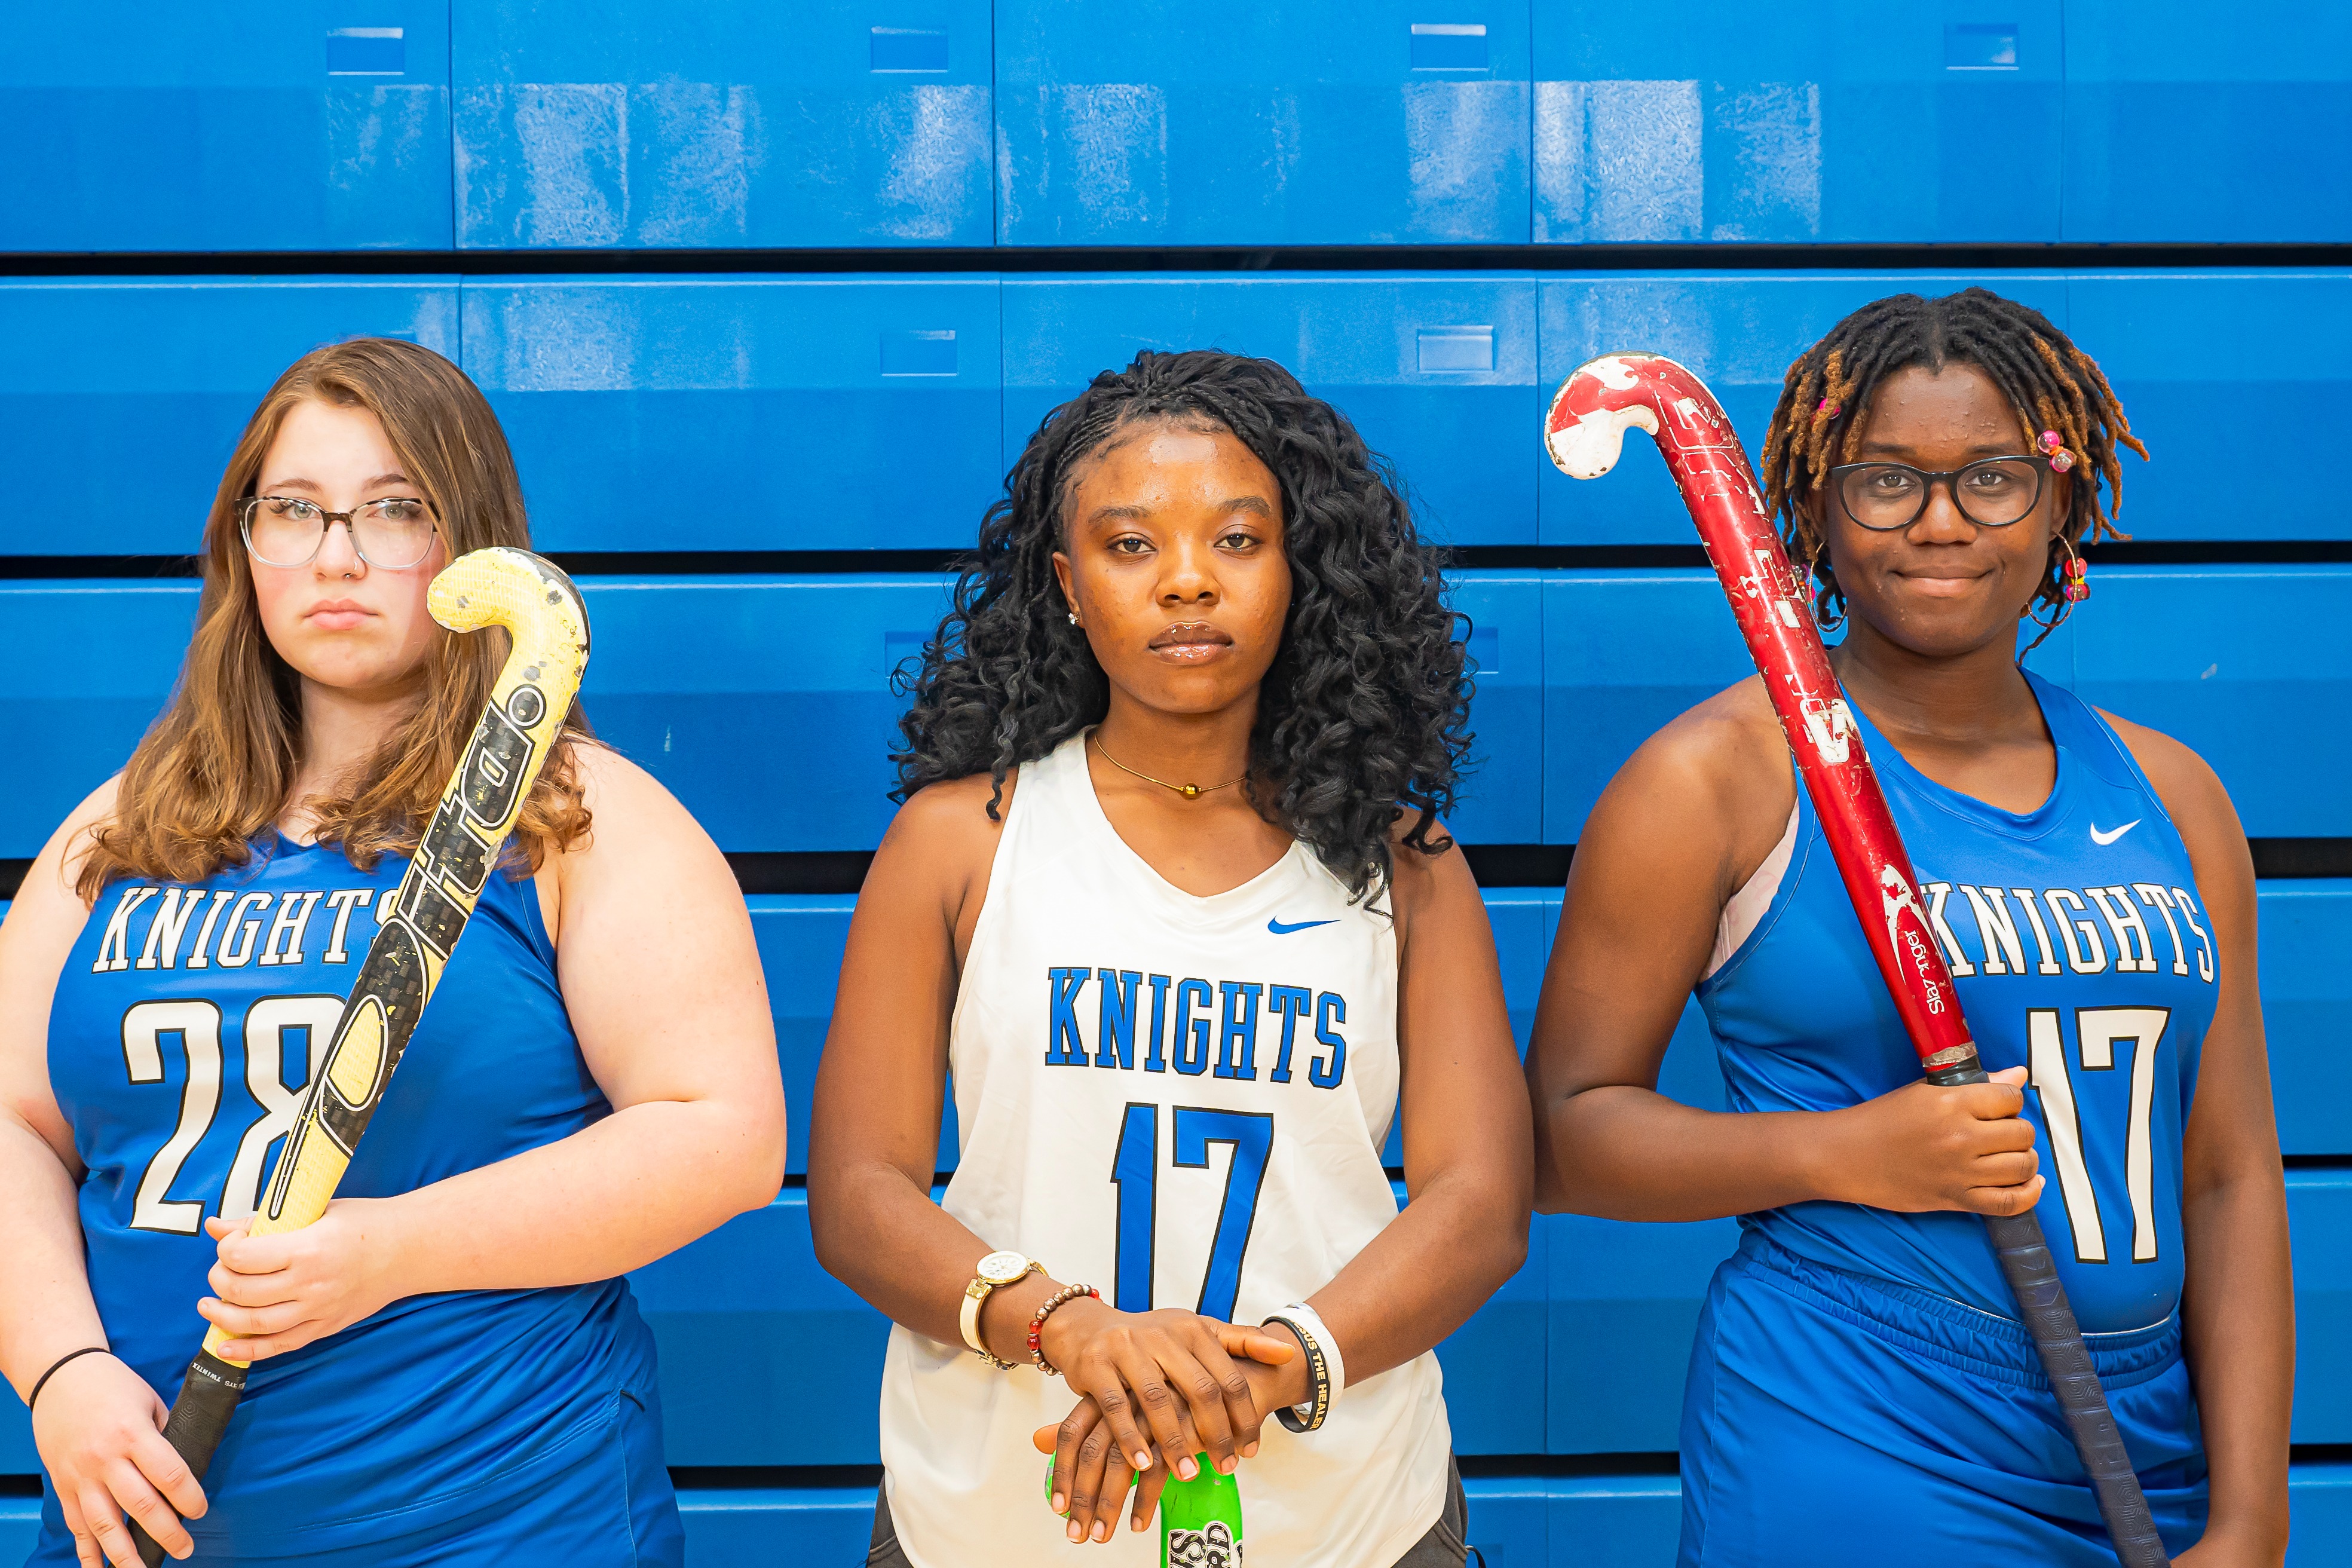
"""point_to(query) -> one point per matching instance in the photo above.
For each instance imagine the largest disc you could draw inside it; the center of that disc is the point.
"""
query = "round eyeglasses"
(287, 531)
(1991, 492)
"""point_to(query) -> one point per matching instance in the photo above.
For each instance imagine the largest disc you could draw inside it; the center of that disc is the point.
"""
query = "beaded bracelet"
(1053, 1303)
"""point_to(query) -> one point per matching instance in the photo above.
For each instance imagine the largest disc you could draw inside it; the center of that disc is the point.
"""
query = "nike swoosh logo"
(1278, 929)
(2110, 836)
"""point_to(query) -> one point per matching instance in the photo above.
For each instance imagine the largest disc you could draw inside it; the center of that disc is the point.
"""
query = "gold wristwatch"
(997, 1269)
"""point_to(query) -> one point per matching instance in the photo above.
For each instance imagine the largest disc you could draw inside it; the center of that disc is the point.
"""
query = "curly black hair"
(2049, 383)
(1363, 715)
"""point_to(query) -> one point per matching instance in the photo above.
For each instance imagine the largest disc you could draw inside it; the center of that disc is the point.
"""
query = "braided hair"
(1362, 716)
(2049, 383)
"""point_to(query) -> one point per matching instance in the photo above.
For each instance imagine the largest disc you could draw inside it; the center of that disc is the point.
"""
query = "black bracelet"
(1318, 1370)
(43, 1381)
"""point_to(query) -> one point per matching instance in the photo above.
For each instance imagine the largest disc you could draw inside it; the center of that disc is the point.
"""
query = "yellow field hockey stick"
(419, 924)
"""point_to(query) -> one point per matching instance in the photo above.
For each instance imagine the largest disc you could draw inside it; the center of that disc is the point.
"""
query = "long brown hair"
(214, 771)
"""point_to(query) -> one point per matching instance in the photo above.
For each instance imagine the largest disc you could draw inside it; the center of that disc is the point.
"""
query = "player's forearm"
(637, 1185)
(2238, 1328)
(45, 1307)
(1459, 1240)
(1623, 1153)
(880, 1233)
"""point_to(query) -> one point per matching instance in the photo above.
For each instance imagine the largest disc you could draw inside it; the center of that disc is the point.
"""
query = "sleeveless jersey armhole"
(1751, 912)
(984, 925)
(2081, 713)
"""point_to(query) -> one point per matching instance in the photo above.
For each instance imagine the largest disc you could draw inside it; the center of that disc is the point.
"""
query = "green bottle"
(1200, 1519)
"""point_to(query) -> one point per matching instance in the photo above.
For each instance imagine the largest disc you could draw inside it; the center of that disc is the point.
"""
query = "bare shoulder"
(1724, 761)
(53, 873)
(952, 817)
(1420, 880)
(2192, 793)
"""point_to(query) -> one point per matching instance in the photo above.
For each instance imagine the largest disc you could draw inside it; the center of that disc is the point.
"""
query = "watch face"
(1002, 1267)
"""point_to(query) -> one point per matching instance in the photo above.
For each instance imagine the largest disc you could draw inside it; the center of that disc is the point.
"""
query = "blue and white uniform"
(466, 1428)
(1866, 1369)
(1181, 1100)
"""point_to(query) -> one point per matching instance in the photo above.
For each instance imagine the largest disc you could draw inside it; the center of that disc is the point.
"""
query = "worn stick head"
(528, 594)
(1585, 430)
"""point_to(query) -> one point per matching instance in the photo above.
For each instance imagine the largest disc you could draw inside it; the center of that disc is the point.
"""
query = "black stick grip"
(2033, 1276)
(199, 1419)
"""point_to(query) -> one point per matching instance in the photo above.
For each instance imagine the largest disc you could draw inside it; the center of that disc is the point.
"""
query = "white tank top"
(1181, 1102)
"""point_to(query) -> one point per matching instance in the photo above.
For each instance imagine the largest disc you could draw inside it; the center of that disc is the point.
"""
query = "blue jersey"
(185, 1025)
(2081, 949)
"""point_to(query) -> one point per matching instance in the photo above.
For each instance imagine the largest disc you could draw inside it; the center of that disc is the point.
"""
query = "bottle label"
(1212, 1546)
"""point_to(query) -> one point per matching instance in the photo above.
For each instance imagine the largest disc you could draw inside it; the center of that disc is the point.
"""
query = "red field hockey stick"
(1583, 432)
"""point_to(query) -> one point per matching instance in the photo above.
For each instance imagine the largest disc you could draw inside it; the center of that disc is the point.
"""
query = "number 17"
(2097, 1030)
(1135, 1171)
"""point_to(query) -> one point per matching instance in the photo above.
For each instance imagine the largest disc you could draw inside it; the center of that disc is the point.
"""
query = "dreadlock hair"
(1363, 714)
(2050, 383)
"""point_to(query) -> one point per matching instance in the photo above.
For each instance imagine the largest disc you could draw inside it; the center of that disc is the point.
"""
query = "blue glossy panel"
(1437, 372)
(1492, 1397)
(613, 124)
(2306, 929)
(1608, 685)
(2319, 1497)
(686, 413)
(1842, 120)
(20, 1527)
(137, 389)
(1501, 797)
(2319, 1223)
(734, 1316)
(273, 125)
(71, 722)
(814, 1524)
(724, 688)
(2180, 346)
(1740, 332)
(2246, 665)
(17, 1454)
(1223, 122)
(2189, 122)
(1623, 1305)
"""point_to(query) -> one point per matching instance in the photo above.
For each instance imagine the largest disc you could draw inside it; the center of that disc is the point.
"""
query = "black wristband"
(1319, 1371)
(43, 1381)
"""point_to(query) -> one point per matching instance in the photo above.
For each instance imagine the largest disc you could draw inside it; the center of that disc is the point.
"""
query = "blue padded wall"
(1845, 120)
(719, 685)
(610, 123)
(2187, 121)
(266, 125)
(1225, 122)
(714, 412)
(1437, 372)
(135, 390)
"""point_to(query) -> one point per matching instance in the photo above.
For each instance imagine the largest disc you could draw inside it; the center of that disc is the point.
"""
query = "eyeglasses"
(1991, 492)
(287, 531)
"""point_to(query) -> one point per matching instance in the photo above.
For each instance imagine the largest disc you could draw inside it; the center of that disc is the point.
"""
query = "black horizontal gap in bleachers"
(2300, 858)
(2316, 1162)
(1519, 865)
(747, 1477)
(1467, 558)
(2319, 1453)
(20, 1485)
(802, 870)
(1180, 258)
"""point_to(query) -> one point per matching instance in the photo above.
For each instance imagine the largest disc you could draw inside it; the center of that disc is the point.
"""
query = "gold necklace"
(1189, 791)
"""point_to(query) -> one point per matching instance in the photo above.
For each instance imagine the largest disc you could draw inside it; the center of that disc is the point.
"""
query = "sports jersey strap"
(2077, 727)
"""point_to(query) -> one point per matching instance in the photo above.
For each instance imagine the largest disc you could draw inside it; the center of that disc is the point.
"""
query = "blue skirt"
(1833, 1420)
(599, 1498)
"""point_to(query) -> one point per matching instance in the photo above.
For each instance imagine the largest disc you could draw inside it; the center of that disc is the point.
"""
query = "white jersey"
(1181, 1102)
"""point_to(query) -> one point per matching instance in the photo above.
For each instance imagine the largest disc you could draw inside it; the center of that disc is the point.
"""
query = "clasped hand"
(275, 1293)
(1201, 1387)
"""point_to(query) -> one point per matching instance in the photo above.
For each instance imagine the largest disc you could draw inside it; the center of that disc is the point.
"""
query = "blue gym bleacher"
(768, 296)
